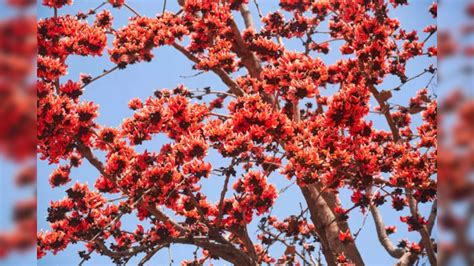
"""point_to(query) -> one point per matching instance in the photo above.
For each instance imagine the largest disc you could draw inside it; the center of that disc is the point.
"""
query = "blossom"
(57, 3)
(60, 176)
(345, 237)
(390, 229)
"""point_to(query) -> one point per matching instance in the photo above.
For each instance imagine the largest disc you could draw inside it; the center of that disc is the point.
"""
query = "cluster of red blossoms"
(287, 112)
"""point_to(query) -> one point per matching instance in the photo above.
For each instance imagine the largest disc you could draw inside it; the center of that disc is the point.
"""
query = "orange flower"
(345, 237)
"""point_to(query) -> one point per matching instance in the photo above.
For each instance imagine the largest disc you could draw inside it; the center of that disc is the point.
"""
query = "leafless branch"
(247, 16)
(105, 73)
(132, 9)
(277, 238)
(260, 15)
(164, 6)
(382, 234)
(149, 255)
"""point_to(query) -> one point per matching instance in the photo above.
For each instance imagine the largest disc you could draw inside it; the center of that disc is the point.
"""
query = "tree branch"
(328, 232)
(260, 15)
(385, 109)
(287, 245)
(382, 234)
(225, 251)
(233, 86)
(106, 72)
(247, 16)
(425, 235)
(150, 254)
(221, 200)
(248, 58)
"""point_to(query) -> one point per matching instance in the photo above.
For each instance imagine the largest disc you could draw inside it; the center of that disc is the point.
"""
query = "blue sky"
(113, 92)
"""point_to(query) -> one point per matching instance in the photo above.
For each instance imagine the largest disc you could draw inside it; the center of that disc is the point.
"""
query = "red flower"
(341, 258)
(434, 9)
(103, 20)
(135, 104)
(57, 3)
(415, 248)
(117, 3)
(50, 68)
(390, 229)
(60, 176)
(193, 147)
(71, 89)
(345, 237)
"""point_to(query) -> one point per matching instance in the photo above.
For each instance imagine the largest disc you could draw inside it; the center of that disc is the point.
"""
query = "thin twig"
(105, 73)
(233, 86)
(287, 245)
(110, 223)
(220, 115)
(150, 255)
(410, 79)
(170, 257)
(258, 8)
(428, 37)
(93, 11)
(132, 9)
(214, 92)
(164, 7)
(356, 234)
(221, 199)
(193, 75)
(120, 198)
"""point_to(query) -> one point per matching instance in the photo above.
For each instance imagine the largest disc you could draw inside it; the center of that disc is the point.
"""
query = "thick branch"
(409, 258)
(247, 16)
(149, 255)
(248, 58)
(382, 234)
(244, 236)
(227, 252)
(322, 217)
(385, 109)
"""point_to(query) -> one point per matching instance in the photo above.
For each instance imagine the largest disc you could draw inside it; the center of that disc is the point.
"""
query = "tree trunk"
(326, 227)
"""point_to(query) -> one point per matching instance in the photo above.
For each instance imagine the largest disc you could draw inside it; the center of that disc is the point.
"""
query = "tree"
(286, 112)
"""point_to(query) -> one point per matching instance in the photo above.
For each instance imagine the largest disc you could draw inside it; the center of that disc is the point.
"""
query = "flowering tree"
(283, 111)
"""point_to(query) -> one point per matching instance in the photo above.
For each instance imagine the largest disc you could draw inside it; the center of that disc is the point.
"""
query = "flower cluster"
(134, 42)
(296, 77)
(254, 193)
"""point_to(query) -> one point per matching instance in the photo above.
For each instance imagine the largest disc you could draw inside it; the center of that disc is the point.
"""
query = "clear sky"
(113, 92)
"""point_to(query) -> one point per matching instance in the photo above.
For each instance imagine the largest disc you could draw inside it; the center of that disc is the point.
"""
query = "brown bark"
(382, 234)
(323, 217)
